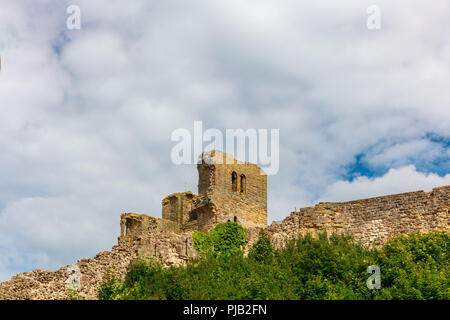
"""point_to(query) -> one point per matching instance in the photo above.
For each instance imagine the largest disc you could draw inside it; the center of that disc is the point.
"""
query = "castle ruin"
(230, 190)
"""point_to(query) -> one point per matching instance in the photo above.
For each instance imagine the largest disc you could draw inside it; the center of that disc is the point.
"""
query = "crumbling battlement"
(373, 220)
(178, 207)
(134, 226)
(141, 236)
(156, 237)
(51, 285)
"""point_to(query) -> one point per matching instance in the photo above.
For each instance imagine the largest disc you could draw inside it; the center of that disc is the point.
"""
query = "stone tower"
(230, 190)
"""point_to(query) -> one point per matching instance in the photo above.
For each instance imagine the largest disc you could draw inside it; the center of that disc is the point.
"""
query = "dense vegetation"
(324, 267)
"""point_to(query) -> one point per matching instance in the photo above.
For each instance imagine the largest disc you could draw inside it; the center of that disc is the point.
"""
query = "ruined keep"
(228, 190)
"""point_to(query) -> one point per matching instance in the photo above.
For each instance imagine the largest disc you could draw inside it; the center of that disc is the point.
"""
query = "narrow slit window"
(234, 182)
(243, 184)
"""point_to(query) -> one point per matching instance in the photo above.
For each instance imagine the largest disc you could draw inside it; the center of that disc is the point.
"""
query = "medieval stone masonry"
(231, 190)
(371, 221)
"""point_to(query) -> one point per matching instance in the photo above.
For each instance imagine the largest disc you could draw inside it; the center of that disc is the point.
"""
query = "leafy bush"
(73, 294)
(111, 287)
(227, 239)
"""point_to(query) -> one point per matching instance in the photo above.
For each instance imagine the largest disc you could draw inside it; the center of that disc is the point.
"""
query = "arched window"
(243, 183)
(234, 181)
(235, 219)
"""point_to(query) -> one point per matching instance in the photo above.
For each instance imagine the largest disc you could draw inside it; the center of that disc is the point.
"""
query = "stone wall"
(141, 236)
(51, 285)
(171, 248)
(158, 237)
(133, 225)
(371, 221)
(177, 207)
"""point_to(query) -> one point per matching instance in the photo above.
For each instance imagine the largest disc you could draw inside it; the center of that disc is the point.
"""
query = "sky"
(87, 114)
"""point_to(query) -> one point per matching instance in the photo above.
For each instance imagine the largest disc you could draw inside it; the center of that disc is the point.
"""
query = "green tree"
(262, 250)
(415, 266)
